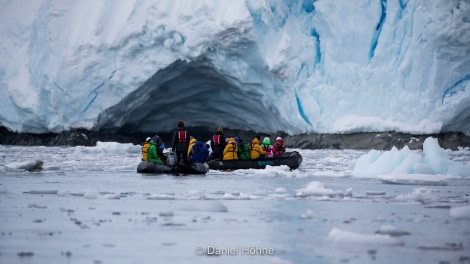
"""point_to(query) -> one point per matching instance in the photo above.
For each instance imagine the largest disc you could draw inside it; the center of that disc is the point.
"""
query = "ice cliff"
(295, 66)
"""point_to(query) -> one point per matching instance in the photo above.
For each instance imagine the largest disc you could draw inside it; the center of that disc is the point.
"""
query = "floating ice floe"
(42, 191)
(460, 212)
(435, 161)
(269, 171)
(109, 147)
(195, 195)
(418, 194)
(341, 236)
(90, 195)
(376, 193)
(114, 196)
(239, 196)
(31, 166)
(207, 206)
(316, 188)
(161, 196)
(307, 215)
(446, 246)
(416, 179)
(392, 231)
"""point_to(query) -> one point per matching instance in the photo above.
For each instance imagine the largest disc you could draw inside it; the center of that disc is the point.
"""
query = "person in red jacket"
(279, 147)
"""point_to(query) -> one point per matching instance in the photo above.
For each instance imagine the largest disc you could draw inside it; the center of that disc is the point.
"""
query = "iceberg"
(405, 166)
(263, 65)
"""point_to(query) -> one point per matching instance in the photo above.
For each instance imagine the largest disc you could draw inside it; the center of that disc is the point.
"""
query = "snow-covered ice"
(398, 165)
(415, 179)
(308, 66)
(88, 205)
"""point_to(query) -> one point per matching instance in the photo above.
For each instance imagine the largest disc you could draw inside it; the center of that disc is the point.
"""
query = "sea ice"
(162, 196)
(280, 189)
(316, 188)
(375, 193)
(207, 206)
(341, 236)
(415, 179)
(391, 230)
(42, 191)
(460, 212)
(418, 194)
(261, 210)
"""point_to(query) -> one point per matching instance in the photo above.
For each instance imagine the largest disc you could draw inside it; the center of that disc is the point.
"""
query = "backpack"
(216, 139)
(182, 138)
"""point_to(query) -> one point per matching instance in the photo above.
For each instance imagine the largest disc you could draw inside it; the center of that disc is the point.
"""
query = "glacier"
(299, 67)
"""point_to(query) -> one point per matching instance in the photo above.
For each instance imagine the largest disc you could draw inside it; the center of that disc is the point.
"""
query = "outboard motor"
(171, 159)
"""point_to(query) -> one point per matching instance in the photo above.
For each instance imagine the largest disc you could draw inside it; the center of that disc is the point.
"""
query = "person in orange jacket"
(145, 148)
(231, 150)
(256, 151)
(191, 144)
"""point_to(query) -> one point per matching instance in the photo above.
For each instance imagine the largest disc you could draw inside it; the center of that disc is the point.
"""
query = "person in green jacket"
(153, 154)
(243, 149)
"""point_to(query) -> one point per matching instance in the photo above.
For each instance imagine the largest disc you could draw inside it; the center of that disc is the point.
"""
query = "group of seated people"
(236, 149)
(232, 148)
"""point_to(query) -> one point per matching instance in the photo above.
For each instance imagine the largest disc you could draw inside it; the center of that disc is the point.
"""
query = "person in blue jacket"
(160, 148)
(199, 152)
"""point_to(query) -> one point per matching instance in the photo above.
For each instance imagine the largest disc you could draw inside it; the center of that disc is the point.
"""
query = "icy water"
(89, 205)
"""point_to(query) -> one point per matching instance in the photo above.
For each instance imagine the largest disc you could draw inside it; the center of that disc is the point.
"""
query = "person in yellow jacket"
(231, 150)
(191, 144)
(256, 150)
(145, 149)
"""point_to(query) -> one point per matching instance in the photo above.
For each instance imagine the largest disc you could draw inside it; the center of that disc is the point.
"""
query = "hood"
(266, 142)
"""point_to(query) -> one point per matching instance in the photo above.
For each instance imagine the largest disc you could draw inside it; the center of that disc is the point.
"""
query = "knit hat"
(278, 138)
(147, 139)
(266, 140)
(154, 139)
(180, 123)
(220, 129)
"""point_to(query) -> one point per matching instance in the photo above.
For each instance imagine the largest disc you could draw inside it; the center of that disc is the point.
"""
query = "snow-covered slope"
(296, 66)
